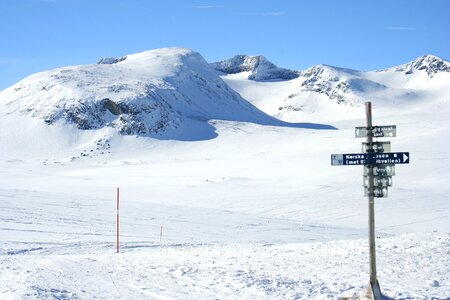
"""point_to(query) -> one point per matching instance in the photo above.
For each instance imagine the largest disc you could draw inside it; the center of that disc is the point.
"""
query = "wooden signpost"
(379, 167)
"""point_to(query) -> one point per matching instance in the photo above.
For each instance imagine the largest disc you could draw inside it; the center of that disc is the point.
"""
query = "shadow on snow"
(199, 129)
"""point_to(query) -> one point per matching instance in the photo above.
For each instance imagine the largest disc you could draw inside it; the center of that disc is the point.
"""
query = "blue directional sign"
(389, 158)
(369, 158)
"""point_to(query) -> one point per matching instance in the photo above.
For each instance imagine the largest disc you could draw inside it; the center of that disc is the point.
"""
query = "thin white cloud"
(275, 14)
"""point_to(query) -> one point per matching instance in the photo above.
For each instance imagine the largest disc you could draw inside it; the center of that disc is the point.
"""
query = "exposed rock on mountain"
(428, 63)
(259, 67)
(110, 60)
(330, 81)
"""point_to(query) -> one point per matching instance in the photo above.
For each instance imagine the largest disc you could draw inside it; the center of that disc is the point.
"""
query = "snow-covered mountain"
(154, 93)
(325, 92)
(258, 68)
(427, 63)
(174, 92)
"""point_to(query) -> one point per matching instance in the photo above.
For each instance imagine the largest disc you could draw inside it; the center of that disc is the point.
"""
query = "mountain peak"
(429, 57)
(152, 93)
(260, 68)
(110, 60)
(429, 63)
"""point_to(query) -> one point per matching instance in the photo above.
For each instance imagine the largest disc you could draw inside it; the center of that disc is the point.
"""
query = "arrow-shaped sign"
(387, 158)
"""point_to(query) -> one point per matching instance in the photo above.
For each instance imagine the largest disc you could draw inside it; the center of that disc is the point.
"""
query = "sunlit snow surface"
(255, 213)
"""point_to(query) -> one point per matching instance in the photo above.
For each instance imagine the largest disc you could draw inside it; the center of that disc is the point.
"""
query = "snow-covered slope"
(161, 93)
(325, 93)
(257, 212)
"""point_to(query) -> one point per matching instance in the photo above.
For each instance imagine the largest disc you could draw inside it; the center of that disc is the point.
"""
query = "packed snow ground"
(230, 271)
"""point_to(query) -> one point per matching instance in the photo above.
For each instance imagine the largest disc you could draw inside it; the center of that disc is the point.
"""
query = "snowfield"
(226, 208)
(230, 271)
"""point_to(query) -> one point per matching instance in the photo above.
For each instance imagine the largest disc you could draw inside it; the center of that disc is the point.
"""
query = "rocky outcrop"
(259, 67)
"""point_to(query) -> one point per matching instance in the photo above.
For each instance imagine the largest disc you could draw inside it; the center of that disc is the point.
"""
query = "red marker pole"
(117, 221)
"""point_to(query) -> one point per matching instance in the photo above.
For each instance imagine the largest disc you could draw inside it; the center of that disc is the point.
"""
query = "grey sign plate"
(377, 147)
(381, 170)
(376, 131)
(377, 192)
(380, 181)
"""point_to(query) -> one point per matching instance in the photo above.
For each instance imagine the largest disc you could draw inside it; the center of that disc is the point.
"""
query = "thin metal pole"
(374, 286)
(117, 221)
(373, 267)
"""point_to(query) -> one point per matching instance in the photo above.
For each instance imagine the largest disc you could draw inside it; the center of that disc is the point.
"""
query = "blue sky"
(37, 35)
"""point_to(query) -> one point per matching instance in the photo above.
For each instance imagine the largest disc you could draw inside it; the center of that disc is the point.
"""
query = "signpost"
(379, 167)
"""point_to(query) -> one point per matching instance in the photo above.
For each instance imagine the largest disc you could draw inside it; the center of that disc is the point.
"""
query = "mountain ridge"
(157, 92)
(247, 63)
(169, 93)
(324, 92)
